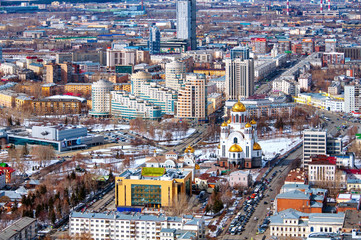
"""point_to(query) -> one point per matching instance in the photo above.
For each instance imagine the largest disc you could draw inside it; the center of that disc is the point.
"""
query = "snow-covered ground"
(176, 135)
(109, 127)
(279, 145)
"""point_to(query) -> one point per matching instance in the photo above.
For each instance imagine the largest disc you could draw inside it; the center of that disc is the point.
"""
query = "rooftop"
(14, 228)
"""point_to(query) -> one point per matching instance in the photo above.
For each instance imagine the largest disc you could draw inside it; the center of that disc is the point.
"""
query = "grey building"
(24, 228)
(316, 142)
(239, 78)
(186, 22)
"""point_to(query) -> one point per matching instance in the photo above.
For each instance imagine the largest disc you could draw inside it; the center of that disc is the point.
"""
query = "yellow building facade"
(156, 187)
(84, 88)
(211, 72)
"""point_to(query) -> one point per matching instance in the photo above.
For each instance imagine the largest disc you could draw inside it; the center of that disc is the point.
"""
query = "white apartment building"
(119, 226)
(305, 81)
(8, 68)
(262, 68)
(143, 88)
(292, 223)
(101, 98)
(335, 105)
(192, 98)
(314, 143)
(352, 98)
(175, 75)
(286, 86)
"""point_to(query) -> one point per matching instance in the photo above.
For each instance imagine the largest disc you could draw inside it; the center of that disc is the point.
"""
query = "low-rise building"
(135, 226)
(301, 198)
(292, 223)
(58, 105)
(240, 178)
(24, 228)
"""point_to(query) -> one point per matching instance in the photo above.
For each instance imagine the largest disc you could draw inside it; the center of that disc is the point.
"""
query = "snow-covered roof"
(66, 97)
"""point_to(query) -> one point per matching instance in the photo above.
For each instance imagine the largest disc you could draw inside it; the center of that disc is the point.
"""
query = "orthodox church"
(238, 142)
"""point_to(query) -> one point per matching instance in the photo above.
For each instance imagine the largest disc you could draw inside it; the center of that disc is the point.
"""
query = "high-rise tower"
(239, 78)
(186, 22)
(154, 40)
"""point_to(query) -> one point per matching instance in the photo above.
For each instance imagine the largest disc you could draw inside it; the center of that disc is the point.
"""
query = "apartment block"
(24, 228)
(192, 98)
(120, 226)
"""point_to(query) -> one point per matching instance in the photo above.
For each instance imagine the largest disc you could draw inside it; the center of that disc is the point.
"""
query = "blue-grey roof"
(187, 235)
(168, 230)
(295, 194)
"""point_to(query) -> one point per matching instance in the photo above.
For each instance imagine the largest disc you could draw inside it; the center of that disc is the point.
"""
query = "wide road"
(261, 210)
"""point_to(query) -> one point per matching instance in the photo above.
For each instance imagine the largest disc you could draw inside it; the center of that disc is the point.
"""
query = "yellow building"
(123, 87)
(22, 100)
(58, 106)
(83, 88)
(151, 186)
(211, 72)
(7, 98)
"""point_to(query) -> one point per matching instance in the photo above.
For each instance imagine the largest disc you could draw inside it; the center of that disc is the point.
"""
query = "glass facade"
(146, 194)
(23, 141)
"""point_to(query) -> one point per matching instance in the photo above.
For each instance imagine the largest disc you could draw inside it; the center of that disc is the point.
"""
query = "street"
(261, 210)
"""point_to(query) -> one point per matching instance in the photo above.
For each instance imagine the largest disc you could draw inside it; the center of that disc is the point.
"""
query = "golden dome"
(219, 146)
(248, 125)
(256, 146)
(229, 121)
(235, 148)
(238, 107)
(189, 149)
(253, 122)
(224, 124)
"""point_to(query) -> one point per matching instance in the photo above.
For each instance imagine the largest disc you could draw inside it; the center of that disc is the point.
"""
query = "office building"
(154, 40)
(238, 142)
(175, 75)
(239, 78)
(241, 52)
(352, 98)
(150, 186)
(24, 228)
(126, 56)
(61, 138)
(101, 98)
(334, 88)
(322, 170)
(192, 98)
(135, 226)
(127, 106)
(314, 143)
(186, 22)
(291, 223)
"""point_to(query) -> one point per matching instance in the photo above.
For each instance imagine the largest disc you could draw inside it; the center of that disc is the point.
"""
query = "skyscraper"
(186, 21)
(154, 40)
(239, 78)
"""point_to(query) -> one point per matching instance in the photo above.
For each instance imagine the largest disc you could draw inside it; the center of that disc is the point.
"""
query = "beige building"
(239, 78)
(175, 74)
(192, 98)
